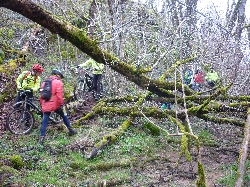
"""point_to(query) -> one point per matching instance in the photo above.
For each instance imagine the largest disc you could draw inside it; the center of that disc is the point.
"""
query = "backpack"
(46, 92)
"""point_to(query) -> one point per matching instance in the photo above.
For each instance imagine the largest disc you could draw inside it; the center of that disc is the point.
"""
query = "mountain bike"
(21, 120)
(83, 89)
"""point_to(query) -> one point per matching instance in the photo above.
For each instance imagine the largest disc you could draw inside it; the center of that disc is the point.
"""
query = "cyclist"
(188, 76)
(54, 104)
(198, 80)
(212, 77)
(97, 75)
(28, 81)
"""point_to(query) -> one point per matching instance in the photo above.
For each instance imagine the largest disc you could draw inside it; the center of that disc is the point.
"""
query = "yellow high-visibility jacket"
(212, 76)
(97, 67)
(28, 82)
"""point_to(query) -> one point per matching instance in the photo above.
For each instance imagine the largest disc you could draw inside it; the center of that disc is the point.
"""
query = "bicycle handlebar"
(25, 91)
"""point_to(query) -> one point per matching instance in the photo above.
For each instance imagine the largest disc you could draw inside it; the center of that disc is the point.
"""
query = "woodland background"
(145, 48)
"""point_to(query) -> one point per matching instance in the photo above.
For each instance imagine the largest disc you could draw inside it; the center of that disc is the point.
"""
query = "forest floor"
(154, 164)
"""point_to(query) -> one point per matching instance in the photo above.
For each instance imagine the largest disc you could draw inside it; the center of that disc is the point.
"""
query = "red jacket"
(199, 77)
(57, 95)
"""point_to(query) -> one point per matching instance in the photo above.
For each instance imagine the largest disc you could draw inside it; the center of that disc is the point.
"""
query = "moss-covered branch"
(222, 120)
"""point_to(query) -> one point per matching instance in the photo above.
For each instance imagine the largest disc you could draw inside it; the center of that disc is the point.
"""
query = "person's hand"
(77, 66)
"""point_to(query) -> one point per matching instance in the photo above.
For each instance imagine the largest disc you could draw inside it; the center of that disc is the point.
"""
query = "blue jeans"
(46, 121)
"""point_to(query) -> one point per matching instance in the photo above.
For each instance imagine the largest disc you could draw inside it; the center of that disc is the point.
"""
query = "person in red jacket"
(198, 80)
(55, 104)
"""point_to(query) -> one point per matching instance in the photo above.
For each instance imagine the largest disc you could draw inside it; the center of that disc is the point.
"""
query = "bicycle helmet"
(57, 72)
(37, 68)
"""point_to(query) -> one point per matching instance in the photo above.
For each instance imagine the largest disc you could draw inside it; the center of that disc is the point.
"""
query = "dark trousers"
(97, 83)
(21, 98)
(46, 120)
(211, 83)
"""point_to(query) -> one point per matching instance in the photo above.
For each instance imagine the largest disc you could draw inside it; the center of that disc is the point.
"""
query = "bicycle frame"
(29, 102)
(37, 109)
(84, 89)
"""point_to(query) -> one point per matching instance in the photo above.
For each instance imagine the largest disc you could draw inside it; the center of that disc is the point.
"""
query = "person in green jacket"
(28, 80)
(97, 75)
(212, 77)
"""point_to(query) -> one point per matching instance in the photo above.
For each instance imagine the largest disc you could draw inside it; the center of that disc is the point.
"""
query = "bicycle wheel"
(19, 121)
(80, 90)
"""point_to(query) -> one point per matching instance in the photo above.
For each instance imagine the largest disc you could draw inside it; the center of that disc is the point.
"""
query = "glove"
(77, 66)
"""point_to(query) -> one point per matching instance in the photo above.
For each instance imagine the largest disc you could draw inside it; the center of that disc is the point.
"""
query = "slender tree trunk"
(243, 153)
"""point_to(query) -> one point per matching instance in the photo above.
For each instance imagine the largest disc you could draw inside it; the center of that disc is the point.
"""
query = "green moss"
(182, 127)
(125, 124)
(17, 162)
(152, 128)
(201, 181)
(184, 148)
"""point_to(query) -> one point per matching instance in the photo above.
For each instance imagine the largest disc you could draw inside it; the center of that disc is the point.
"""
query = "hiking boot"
(72, 132)
(42, 140)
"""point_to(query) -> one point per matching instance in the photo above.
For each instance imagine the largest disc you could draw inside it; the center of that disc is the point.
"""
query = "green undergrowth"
(62, 160)
(230, 172)
(58, 164)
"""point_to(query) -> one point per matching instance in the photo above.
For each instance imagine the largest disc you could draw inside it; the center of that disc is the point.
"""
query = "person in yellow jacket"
(97, 75)
(212, 77)
(28, 80)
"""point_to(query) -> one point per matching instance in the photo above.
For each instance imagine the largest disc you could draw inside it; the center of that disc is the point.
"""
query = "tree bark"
(243, 153)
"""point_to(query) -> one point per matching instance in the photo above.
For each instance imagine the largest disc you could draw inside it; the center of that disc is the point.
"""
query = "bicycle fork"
(24, 117)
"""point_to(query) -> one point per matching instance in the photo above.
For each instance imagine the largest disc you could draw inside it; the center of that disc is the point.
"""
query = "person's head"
(212, 69)
(57, 73)
(37, 69)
